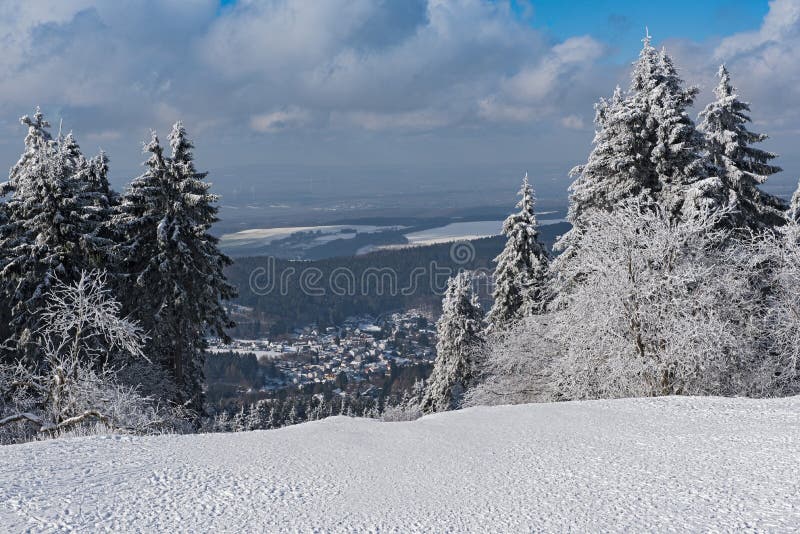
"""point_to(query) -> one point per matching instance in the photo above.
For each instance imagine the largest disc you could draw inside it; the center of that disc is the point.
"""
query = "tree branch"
(21, 417)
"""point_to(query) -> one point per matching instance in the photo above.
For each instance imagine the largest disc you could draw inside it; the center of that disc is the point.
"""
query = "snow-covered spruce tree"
(174, 268)
(521, 276)
(683, 179)
(645, 144)
(459, 332)
(51, 230)
(616, 167)
(11, 232)
(141, 207)
(37, 138)
(97, 201)
(742, 167)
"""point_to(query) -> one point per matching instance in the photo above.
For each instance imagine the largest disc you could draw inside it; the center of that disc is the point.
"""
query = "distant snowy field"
(320, 234)
(461, 231)
(667, 464)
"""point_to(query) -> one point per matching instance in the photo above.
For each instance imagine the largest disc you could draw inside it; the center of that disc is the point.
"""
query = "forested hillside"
(278, 310)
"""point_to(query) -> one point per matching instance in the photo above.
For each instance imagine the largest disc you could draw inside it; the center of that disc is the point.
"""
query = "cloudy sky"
(394, 94)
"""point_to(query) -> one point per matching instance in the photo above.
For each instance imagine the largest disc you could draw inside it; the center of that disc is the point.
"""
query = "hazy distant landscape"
(356, 237)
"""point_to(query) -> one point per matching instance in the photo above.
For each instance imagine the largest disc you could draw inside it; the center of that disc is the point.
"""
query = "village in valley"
(362, 357)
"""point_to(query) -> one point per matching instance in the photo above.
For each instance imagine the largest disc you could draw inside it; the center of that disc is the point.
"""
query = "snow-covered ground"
(668, 464)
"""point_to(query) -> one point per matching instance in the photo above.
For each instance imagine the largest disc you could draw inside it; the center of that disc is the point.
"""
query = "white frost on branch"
(82, 320)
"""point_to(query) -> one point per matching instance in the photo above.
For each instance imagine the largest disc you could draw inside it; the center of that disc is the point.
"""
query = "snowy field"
(321, 234)
(668, 464)
(462, 231)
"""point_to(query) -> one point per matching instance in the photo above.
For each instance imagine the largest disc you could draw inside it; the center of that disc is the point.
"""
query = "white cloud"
(574, 122)
(491, 109)
(412, 120)
(279, 120)
(537, 82)
(781, 23)
(449, 54)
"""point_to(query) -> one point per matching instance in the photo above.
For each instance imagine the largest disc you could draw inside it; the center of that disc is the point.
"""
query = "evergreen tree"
(614, 170)
(239, 423)
(253, 420)
(520, 277)
(176, 278)
(459, 336)
(677, 173)
(96, 200)
(741, 166)
(50, 230)
(37, 139)
(140, 210)
(647, 144)
(646, 147)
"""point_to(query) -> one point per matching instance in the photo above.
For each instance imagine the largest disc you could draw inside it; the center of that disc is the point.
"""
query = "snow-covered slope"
(640, 464)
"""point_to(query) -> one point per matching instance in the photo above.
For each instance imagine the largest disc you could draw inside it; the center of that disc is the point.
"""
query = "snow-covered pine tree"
(459, 331)
(37, 138)
(618, 166)
(141, 207)
(175, 268)
(521, 275)
(684, 179)
(646, 146)
(239, 422)
(741, 166)
(135, 220)
(11, 231)
(647, 143)
(50, 232)
(614, 170)
(194, 266)
(97, 202)
(253, 419)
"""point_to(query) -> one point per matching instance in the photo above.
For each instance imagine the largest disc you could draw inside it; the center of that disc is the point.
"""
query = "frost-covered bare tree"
(663, 307)
(82, 321)
(515, 364)
(780, 253)
(84, 342)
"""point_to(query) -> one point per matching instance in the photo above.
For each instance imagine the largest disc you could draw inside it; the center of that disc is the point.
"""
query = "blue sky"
(620, 22)
(378, 97)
